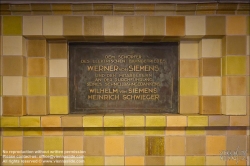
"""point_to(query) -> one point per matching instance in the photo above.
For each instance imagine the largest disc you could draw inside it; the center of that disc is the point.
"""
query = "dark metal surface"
(122, 77)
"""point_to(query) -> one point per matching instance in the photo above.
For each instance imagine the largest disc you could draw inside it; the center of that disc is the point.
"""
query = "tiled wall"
(214, 83)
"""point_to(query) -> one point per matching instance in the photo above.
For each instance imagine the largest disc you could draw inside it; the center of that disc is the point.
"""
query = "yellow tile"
(236, 65)
(32, 25)
(155, 121)
(114, 161)
(195, 25)
(12, 45)
(92, 121)
(12, 85)
(59, 105)
(189, 50)
(211, 86)
(236, 45)
(197, 120)
(53, 143)
(50, 121)
(114, 141)
(195, 131)
(155, 25)
(175, 160)
(113, 121)
(32, 131)
(195, 160)
(30, 121)
(174, 121)
(155, 131)
(36, 86)
(113, 131)
(188, 86)
(93, 131)
(134, 160)
(9, 122)
(134, 121)
(12, 25)
(236, 25)
(214, 160)
(234, 105)
(93, 160)
(134, 131)
(58, 68)
(113, 25)
(211, 47)
(12, 131)
(52, 25)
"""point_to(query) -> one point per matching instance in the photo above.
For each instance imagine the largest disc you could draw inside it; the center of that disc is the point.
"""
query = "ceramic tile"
(12, 25)
(195, 160)
(134, 131)
(93, 25)
(218, 120)
(175, 26)
(72, 143)
(210, 105)
(30, 121)
(242, 162)
(155, 121)
(189, 104)
(154, 146)
(114, 161)
(195, 25)
(236, 25)
(175, 145)
(92, 121)
(114, 141)
(50, 121)
(13, 105)
(211, 67)
(12, 85)
(189, 68)
(188, 86)
(134, 160)
(58, 64)
(236, 143)
(154, 25)
(12, 131)
(235, 65)
(134, 121)
(195, 145)
(12, 65)
(211, 86)
(236, 45)
(32, 25)
(52, 131)
(94, 146)
(94, 160)
(236, 130)
(188, 50)
(52, 25)
(113, 25)
(239, 120)
(174, 121)
(97, 131)
(211, 48)
(72, 121)
(36, 67)
(9, 121)
(154, 161)
(195, 131)
(197, 120)
(215, 25)
(36, 105)
(175, 160)
(36, 48)
(12, 45)
(234, 105)
(235, 85)
(12, 143)
(36, 86)
(112, 131)
(216, 130)
(59, 105)
(215, 144)
(113, 121)
(32, 131)
(134, 26)
(72, 25)
(134, 146)
(73, 131)
(58, 86)
(53, 143)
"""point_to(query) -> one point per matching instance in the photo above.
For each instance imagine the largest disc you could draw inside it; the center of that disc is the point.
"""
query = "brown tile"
(58, 86)
(133, 26)
(93, 145)
(12, 65)
(70, 121)
(32, 143)
(167, 7)
(236, 45)
(154, 161)
(36, 67)
(124, 7)
(36, 48)
(93, 25)
(218, 120)
(61, 7)
(189, 104)
(135, 146)
(13, 105)
(239, 120)
(36, 105)
(236, 85)
(72, 25)
(154, 25)
(195, 145)
(58, 50)
(216, 130)
(71, 143)
(215, 25)
(175, 26)
(210, 105)
(189, 68)
(12, 143)
(236, 25)
(175, 145)
(232, 130)
(236, 142)
(211, 67)
(154, 146)
(72, 131)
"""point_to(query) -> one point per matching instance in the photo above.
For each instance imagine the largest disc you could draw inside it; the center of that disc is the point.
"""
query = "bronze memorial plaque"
(123, 77)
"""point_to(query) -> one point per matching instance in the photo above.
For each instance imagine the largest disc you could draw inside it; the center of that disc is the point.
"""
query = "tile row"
(124, 121)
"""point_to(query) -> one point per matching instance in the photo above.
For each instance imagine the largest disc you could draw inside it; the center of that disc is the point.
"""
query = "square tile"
(189, 104)
(92, 121)
(50, 121)
(175, 145)
(93, 25)
(215, 25)
(58, 68)
(93, 145)
(72, 25)
(133, 26)
(134, 160)
(195, 145)
(211, 48)
(113, 25)
(134, 146)
(52, 25)
(234, 105)
(210, 67)
(59, 105)
(36, 105)
(36, 86)
(154, 160)
(211, 86)
(36, 67)
(94, 160)
(175, 160)
(72, 121)
(72, 143)
(195, 25)
(195, 160)
(189, 68)
(236, 25)
(36, 48)
(215, 145)
(189, 50)
(210, 105)
(234, 65)
(154, 146)
(58, 50)
(58, 86)
(134, 121)
(236, 45)
(175, 26)
(12, 65)
(12, 45)
(114, 161)
(32, 25)
(188, 86)
(175, 121)
(114, 141)
(53, 143)
(12, 25)
(235, 85)
(12, 144)
(238, 142)
(12, 85)
(155, 25)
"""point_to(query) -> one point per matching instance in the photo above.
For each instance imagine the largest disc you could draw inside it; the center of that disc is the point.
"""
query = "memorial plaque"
(123, 77)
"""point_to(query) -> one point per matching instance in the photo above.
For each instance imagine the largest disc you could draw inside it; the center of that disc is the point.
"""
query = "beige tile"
(211, 86)
(195, 145)
(36, 67)
(12, 85)
(93, 145)
(36, 48)
(188, 50)
(12, 65)
(211, 48)
(72, 25)
(36, 105)
(154, 25)
(175, 160)
(58, 50)
(113, 25)
(72, 143)
(12, 45)
(189, 104)
(58, 86)
(72, 121)
(134, 146)
(58, 68)
(234, 105)
(218, 120)
(235, 85)
(93, 25)
(114, 160)
(174, 121)
(155, 160)
(195, 25)
(134, 26)
(52, 25)
(32, 25)
(239, 120)
(189, 68)
(236, 25)
(175, 145)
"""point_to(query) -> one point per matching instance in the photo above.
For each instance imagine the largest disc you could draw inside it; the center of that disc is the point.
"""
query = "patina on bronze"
(123, 77)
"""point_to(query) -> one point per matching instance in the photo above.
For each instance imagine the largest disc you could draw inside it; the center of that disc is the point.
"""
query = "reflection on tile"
(32, 25)
(114, 141)
(154, 161)
(195, 160)
(94, 146)
(154, 146)
(114, 161)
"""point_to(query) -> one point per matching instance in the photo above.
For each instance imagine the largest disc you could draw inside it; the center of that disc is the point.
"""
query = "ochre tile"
(218, 120)
(134, 121)
(210, 105)
(111, 131)
(235, 85)
(36, 86)
(72, 121)
(175, 26)
(114, 160)
(215, 25)
(189, 68)
(175, 145)
(197, 120)
(154, 146)
(188, 86)
(234, 105)
(176, 121)
(92, 121)
(12, 25)
(59, 105)
(30, 121)
(58, 68)
(236, 142)
(72, 25)
(215, 144)
(195, 131)
(36, 105)
(58, 86)
(189, 50)
(12, 65)
(195, 160)
(93, 25)
(239, 120)
(72, 143)
(13, 105)
(32, 25)
(134, 146)
(36, 48)
(211, 67)
(12, 131)
(9, 121)
(12, 144)
(151, 131)
(211, 86)
(113, 25)
(50, 121)
(113, 121)
(52, 25)
(93, 160)
(96, 131)
(134, 160)
(154, 161)
(236, 45)
(195, 145)
(32, 131)
(235, 65)
(211, 48)
(36, 67)
(53, 143)
(236, 130)
(134, 131)
(175, 160)
(189, 104)
(12, 85)
(73, 131)
(134, 26)
(52, 131)
(12, 45)
(58, 50)
(236, 25)
(195, 25)
(155, 121)
(93, 145)
(114, 141)
(154, 26)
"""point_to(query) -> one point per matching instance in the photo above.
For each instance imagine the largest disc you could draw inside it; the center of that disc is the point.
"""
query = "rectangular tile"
(155, 121)
(30, 121)
(174, 121)
(92, 121)
(72, 121)
(218, 120)
(154, 25)
(134, 121)
(189, 50)
(197, 121)
(9, 121)
(50, 121)
(113, 121)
